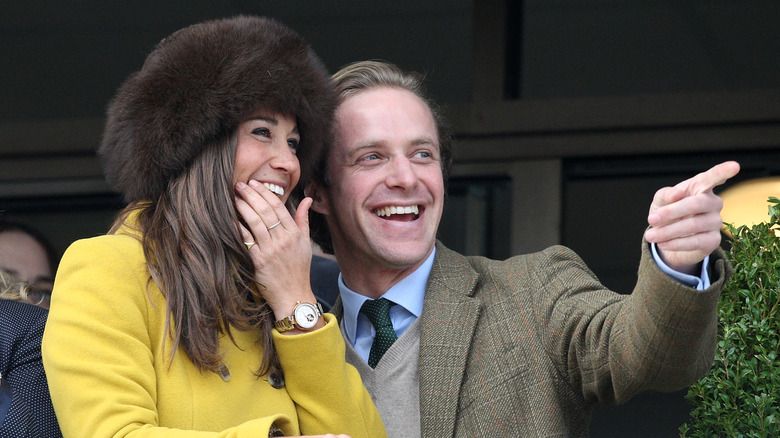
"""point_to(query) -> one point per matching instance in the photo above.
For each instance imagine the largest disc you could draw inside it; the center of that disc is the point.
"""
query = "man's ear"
(317, 194)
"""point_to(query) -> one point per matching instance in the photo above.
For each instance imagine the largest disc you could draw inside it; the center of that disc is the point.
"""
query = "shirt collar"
(408, 293)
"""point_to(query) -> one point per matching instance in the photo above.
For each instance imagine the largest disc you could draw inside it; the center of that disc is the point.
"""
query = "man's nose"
(402, 173)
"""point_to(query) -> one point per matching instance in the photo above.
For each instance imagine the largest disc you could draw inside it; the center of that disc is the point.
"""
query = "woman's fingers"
(282, 254)
(247, 237)
(269, 207)
(257, 231)
(302, 215)
(256, 210)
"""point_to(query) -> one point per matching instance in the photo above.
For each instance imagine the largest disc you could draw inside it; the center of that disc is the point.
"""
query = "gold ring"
(274, 225)
(249, 245)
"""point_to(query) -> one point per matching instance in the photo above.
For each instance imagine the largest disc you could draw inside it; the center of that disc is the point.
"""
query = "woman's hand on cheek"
(282, 250)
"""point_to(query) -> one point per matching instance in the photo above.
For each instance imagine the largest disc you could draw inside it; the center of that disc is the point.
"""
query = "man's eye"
(263, 132)
(423, 154)
(370, 157)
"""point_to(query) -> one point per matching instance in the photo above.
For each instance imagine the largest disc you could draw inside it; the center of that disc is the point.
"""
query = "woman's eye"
(293, 143)
(263, 132)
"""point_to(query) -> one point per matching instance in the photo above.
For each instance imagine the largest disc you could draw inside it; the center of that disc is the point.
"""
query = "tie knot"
(378, 311)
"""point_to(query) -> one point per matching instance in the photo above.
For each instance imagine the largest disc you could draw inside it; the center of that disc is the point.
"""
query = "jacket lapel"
(448, 322)
(447, 326)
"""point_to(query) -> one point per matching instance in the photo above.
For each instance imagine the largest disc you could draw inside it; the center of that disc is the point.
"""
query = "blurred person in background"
(29, 256)
(25, 405)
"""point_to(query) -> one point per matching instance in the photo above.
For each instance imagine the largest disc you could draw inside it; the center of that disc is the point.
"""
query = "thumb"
(302, 215)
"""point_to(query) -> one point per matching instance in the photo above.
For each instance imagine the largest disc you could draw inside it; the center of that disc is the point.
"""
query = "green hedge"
(740, 396)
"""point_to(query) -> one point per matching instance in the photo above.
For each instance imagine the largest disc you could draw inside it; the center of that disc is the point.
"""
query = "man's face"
(386, 195)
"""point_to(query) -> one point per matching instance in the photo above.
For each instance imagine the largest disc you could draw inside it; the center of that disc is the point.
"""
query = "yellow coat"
(106, 356)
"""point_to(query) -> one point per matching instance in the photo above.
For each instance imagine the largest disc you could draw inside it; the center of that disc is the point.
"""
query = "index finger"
(711, 178)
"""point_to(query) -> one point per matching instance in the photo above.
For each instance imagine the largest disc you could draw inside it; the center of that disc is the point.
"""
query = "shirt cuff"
(699, 283)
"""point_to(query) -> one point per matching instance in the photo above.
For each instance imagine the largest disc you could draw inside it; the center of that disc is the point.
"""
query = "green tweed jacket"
(525, 347)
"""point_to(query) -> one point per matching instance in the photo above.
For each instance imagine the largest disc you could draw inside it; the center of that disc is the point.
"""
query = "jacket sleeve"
(97, 350)
(660, 337)
(319, 379)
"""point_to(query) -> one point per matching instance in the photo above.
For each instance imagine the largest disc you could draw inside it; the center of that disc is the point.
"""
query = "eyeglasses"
(39, 296)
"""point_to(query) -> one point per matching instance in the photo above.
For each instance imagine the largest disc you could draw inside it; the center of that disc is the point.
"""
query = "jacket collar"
(447, 326)
(448, 323)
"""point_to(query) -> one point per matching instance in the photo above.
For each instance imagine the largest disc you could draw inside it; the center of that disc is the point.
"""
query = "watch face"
(305, 315)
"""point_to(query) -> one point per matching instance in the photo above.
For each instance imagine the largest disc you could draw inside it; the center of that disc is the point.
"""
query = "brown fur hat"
(197, 86)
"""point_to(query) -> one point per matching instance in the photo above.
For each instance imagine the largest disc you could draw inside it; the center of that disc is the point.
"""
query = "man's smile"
(403, 213)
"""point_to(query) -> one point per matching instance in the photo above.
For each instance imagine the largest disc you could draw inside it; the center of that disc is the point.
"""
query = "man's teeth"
(387, 211)
(274, 188)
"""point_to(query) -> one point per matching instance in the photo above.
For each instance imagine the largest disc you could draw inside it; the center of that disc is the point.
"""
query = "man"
(521, 347)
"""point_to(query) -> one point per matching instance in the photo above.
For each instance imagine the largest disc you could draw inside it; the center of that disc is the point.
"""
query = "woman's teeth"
(274, 188)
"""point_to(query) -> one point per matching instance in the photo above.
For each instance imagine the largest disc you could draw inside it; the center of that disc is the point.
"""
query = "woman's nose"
(284, 158)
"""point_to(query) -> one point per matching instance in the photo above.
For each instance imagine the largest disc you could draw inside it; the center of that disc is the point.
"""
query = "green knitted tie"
(378, 311)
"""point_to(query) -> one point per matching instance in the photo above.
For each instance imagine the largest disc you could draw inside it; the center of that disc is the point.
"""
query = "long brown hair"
(195, 255)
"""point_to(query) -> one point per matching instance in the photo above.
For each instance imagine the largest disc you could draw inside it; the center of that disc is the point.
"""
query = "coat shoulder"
(479, 271)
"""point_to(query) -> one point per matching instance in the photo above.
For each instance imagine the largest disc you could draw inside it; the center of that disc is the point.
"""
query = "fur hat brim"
(197, 86)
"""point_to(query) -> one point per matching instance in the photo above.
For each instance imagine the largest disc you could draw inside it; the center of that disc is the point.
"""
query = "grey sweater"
(398, 398)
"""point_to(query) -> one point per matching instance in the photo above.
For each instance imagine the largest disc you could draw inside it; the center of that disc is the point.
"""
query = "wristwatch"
(304, 316)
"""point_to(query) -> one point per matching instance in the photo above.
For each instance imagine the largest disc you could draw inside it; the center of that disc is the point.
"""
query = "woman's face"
(266, 153)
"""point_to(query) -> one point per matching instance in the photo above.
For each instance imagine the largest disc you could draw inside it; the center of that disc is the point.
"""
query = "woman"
(25, 406)
(165, 326)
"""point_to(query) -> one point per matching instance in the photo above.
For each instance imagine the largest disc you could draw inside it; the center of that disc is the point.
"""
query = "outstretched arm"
(685, 219)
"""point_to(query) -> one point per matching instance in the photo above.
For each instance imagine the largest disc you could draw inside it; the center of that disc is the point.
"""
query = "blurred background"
(569, 114)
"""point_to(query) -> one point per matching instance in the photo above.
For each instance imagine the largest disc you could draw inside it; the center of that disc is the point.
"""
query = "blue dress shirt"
(408, 294)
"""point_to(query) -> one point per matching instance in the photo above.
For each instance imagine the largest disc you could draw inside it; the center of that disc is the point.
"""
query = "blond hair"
(11, 288)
